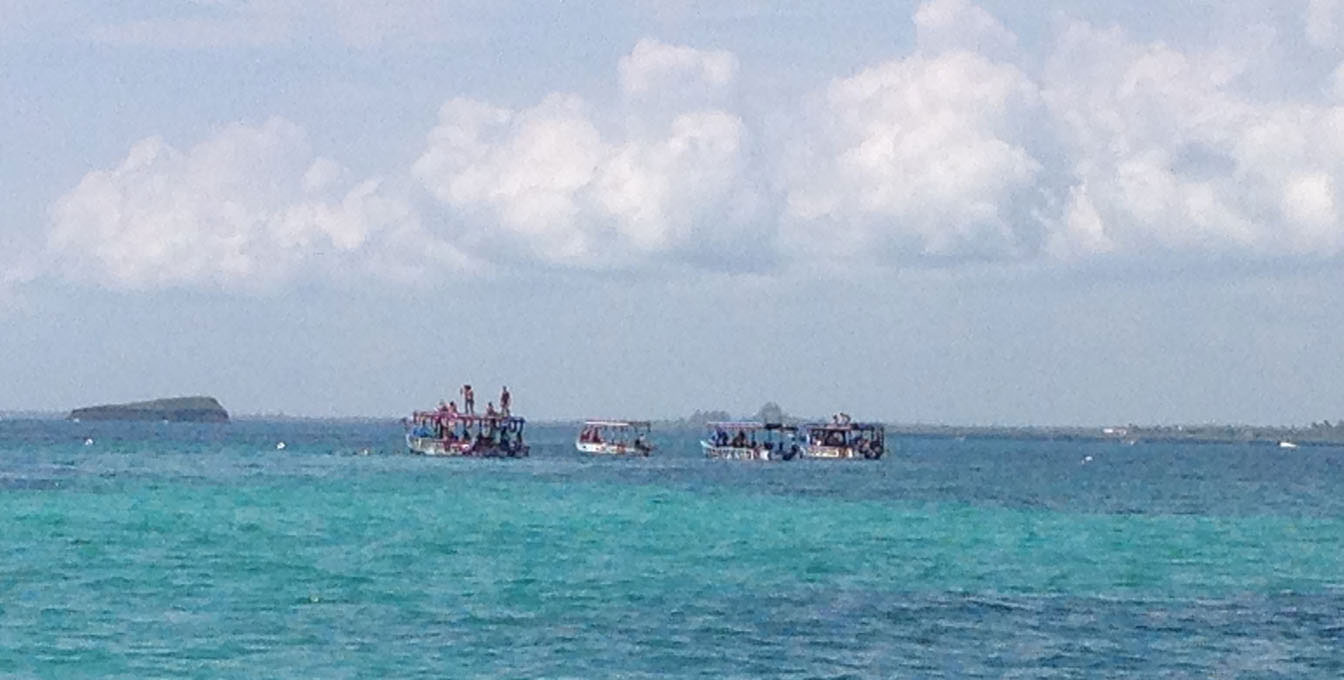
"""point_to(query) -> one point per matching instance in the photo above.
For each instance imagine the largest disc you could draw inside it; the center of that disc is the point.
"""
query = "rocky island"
(178, 409)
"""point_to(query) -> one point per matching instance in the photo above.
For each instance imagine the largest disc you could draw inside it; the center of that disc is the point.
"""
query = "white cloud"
(947, 25)
(248, 208)
(922, 156)
(1170, 155)
(655, 65)
(961, 150)
(548, 181)
(1324, 21)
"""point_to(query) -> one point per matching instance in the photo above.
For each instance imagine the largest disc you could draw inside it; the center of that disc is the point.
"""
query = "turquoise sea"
(203, 551)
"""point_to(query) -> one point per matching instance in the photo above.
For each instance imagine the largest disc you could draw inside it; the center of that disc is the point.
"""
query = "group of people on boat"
(740, 439)
(469, 404)
(842, 433)
(448, 430)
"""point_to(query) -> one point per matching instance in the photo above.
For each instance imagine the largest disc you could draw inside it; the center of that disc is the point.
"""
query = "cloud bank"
(962, 150)
(251, 207)
(555, 182)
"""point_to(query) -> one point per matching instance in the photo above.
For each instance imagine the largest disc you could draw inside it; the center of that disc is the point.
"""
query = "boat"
(447, 433)
(1287, 445)
(750, 441)
(841, 439)
(615, 438)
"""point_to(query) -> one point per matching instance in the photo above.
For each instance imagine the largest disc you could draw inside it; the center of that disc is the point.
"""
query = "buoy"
(280, 446)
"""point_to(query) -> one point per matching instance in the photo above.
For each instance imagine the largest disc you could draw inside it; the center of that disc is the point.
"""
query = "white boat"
(1287, 445)
(844, 440)
(445, 433)
(750, 441)
(615, 438)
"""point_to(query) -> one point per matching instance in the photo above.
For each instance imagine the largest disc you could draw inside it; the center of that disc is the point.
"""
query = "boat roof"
(842, 427)
(748, 425)
(466, 417)
(617, 423)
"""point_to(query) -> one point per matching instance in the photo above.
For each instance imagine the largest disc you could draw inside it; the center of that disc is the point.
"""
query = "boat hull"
(428, 446)
(736, 452)
(607, 449)
(816, 452)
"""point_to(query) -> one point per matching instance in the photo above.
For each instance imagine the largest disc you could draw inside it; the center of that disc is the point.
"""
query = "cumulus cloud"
(1167, 153)
(964, 149)
(1324, 22)
(655, 65)
(250, 207)
(555, 182)
(922, 156)
(946, 25)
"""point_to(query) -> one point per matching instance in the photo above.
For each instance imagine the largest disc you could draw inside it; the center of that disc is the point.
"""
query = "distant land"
(177, 409)
(1322, 433)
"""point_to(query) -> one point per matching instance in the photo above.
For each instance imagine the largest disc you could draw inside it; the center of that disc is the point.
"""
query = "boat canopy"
(635, 424)
(846, 434)
(448, 418)
(748, 426)
(845, 427)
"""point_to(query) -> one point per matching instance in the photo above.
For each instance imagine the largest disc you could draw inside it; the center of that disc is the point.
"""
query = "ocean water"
(204, 551)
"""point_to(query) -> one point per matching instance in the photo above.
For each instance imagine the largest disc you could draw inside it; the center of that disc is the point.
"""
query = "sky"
(946, 211)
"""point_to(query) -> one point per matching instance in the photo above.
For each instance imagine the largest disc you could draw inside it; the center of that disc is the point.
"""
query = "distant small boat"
(615, 438)
(1287, 445)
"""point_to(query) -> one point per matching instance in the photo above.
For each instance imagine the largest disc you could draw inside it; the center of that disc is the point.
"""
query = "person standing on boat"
(504, 400)
(468, 399)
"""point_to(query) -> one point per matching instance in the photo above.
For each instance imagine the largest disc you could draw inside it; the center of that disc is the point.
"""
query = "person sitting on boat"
(490, 411)
(451, 409)
(641, 443)
(505, 400)
(720, 437)
(740, 439)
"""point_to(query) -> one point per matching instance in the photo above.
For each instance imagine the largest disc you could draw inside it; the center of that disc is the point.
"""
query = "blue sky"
(997, 212)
